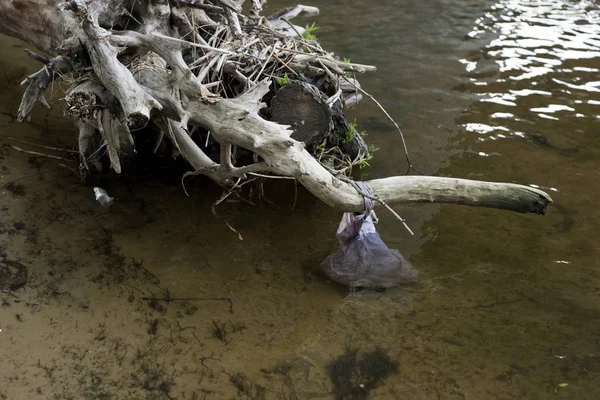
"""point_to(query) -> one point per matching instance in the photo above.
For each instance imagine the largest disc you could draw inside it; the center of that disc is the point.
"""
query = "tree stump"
(313, 119)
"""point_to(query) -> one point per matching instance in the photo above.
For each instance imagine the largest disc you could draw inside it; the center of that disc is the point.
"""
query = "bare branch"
(40, 81)
(136, 103)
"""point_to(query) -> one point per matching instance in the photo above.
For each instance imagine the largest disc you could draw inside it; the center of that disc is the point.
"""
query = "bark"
(167, 73)
(38, 22)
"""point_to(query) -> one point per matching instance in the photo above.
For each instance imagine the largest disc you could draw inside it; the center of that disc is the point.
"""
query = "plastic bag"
(363, 259)
(102, 197)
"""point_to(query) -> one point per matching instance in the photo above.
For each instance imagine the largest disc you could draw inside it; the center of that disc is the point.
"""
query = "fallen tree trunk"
(182, 78)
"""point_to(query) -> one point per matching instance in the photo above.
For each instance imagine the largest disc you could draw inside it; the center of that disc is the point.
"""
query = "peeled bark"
(152, 73)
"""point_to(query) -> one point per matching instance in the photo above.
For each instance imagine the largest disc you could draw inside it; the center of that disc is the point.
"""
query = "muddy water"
(506, 306)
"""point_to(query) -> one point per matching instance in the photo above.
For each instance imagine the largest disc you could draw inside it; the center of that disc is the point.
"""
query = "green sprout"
(283, 80)
(321, 147)
(308, 32)
(372, 149)
(363, 161)
(347, 74)
(351, 134)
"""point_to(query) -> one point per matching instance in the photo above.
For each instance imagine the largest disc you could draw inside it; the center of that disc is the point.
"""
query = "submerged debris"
(13, 275)
(102, 197)
(16, 189)
(354, 375)
(246, 388)
(363, 259)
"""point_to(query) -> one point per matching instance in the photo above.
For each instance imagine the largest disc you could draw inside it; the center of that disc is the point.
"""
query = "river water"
(507, 305)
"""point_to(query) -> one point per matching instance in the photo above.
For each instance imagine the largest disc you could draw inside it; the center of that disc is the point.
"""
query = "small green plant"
(321, 146)
(351, 134)
(309, 32)
(347, 74)
(363, 161)
(283, 80)
(372, 149)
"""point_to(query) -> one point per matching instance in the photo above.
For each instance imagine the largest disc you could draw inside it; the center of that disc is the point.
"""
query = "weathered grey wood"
(288, 157)
(38, 22)
(38, 83)
(136, 104)
(87, 146)
(280, 20)
(178, 95)
(429, 189)
(292, 12)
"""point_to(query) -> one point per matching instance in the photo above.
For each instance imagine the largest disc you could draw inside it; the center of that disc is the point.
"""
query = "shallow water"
(507, 305)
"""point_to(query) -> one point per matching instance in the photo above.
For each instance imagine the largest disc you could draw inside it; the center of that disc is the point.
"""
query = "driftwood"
(202, 71)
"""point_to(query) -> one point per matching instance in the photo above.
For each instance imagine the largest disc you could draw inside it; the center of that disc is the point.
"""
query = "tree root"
(218, 79)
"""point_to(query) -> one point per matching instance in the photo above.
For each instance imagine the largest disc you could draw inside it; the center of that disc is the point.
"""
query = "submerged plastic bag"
(363, 259)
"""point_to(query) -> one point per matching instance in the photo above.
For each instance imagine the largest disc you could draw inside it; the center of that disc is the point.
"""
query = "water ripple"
(540, 67)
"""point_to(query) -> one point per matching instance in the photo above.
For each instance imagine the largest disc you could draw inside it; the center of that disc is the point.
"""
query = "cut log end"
(303, 108)
(540, 204)
(315, 120)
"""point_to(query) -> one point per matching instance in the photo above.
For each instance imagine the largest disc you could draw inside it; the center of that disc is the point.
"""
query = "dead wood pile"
(233, 92)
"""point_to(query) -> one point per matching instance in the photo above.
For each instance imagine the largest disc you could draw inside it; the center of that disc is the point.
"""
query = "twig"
(71, 169)
(256, 6)
(41, 145)
(234, 230)
(200, 171)
(200, 46)
(202, 73)
(265, 64)
(410, 166)
(199, 5)
(292, 26)
(330, 101)
(234, 22)
(322, 64)
(35, 153)
(37, 57)
(256, 167)
(271, 176)
(159, 140)
(28, 176)
(226, 195)
(232, 5)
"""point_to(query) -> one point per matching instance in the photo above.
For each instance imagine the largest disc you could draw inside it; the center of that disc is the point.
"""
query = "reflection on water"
(543, 63)
(535, 121)
(507, 305)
